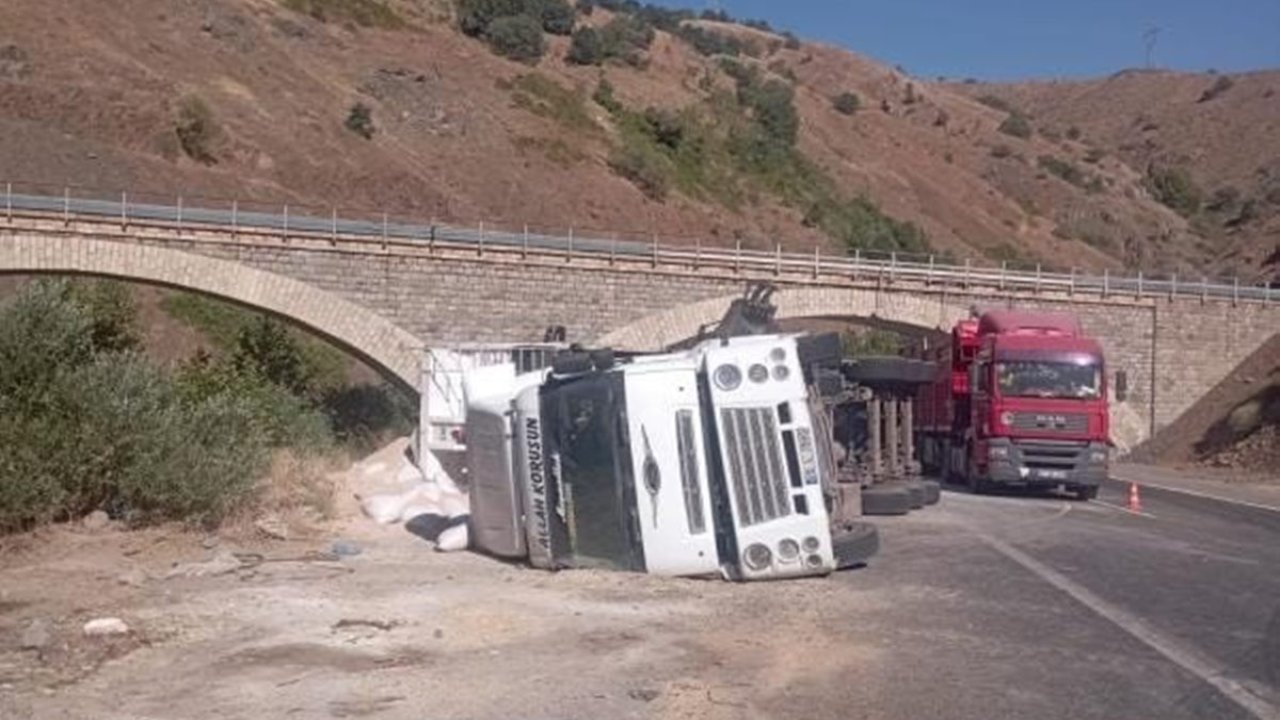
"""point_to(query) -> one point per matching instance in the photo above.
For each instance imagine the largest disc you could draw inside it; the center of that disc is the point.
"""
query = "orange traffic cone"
(1135, 502)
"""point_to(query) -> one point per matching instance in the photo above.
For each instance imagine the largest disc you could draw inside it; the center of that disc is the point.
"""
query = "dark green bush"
(360, 121)
(846, 103)
(1016, 125)
(644, 167)
(586, 47)
(604, 97)
(1220, 86)
(518, 37)
(626, 38)
(197, 131)
(1173, 187)
(557, 16)
(475, 16)
(1062, 169)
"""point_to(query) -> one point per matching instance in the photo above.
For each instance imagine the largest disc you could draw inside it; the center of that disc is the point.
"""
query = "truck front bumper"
(1046, 463)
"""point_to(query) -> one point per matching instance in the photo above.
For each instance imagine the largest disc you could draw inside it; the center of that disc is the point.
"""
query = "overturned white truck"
(701, 462)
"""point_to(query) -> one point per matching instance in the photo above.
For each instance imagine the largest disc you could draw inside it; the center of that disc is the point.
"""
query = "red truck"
(1019, 400)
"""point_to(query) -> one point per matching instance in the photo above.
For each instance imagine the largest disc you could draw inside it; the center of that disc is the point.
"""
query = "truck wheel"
(886, 500)
(918, 494)
(877, 370)
(571, 363)
(932, 491)
(602, 359)
(855, 545)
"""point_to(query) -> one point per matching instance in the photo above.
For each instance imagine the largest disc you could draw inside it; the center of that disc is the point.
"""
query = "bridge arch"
(661, 329)
(360, 331)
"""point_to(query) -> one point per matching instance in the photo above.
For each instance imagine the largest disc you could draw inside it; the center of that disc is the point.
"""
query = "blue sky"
(1010, 39)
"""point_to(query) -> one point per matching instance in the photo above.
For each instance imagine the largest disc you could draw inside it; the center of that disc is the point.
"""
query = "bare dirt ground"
(948, 621)
(396, 631)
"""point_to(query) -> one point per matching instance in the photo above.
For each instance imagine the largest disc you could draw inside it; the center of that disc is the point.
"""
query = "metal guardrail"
(860, 265)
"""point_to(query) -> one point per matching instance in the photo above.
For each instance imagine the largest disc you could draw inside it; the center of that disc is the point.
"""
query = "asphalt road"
(1039, 607)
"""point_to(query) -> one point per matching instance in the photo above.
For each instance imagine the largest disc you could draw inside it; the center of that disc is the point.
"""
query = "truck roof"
(1017, 322)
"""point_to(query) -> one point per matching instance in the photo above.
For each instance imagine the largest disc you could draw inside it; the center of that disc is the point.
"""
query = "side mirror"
(1122, 386)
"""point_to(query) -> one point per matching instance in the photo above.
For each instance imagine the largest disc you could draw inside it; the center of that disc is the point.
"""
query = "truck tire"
(932, 491)
(602, 359)
(571, 363)
(1087, 492)
(855, 545)
(918, 493)
(882, 370)
(886, 500)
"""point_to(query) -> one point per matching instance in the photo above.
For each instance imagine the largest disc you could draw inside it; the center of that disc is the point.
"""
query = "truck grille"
(1051, 455)
(755, 464)
(1052, 422)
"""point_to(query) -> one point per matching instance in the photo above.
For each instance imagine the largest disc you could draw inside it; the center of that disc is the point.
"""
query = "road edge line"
(1187, 659)
(1197, 494)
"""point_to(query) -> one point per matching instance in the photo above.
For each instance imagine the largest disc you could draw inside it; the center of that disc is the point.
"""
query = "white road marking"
(1184, 657)
(1122, 508)
(1196, 493)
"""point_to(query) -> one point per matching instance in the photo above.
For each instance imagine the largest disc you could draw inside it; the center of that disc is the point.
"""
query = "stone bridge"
(386, 298)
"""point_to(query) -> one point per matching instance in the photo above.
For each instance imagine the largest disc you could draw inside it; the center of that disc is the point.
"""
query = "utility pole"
(1149, 40)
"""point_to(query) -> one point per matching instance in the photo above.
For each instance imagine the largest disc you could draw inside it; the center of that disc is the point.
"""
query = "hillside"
(1209, 142)
(254, 99)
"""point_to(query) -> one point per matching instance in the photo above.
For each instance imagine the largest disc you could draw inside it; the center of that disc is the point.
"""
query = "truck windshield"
(584, 417)
(1048, 379)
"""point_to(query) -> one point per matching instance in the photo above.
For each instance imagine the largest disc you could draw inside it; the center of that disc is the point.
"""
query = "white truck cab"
(694, 463)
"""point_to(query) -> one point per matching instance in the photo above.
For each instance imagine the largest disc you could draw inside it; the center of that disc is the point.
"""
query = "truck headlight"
(1006, 418)
(758, 373)
(1097, 457)
(781, 373)
(728, 377)
(757, 557)
(811, 544)
(998, 452)
(788, 549)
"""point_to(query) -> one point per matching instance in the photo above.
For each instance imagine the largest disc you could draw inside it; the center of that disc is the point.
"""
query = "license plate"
(1052, 474)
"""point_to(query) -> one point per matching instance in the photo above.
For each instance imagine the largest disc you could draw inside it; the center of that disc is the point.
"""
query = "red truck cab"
(1020, 400)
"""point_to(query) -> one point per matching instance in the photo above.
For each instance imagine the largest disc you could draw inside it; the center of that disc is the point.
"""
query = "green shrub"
(42, 336)
(545, 97)
(360, 121)
(265, 349)
(644, 167)
(1220, 86)
(846, 103)
(791, 41)
(517, 37)
(604, 97)
(1017, 126)
(475, 16)
(586, 47)
(113, 315)
(626, 38)
(872, 342)
(557, 16)
(1062, 169)
(197, 131)
(1173, 187)
(365, 416)
(709, 42)
(1073, 133)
